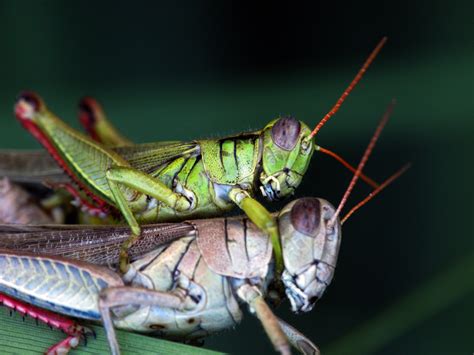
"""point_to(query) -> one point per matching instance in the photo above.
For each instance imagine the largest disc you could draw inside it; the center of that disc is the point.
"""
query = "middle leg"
(129, 178)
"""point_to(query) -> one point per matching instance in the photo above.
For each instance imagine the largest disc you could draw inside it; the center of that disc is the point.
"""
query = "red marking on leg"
(22, 113)
(68, 326)
(80, 201)
(27, 105)
(64, 346)
(55, 320)
(87, 116)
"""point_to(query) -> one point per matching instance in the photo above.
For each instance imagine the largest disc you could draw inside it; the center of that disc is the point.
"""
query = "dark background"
(188, 70)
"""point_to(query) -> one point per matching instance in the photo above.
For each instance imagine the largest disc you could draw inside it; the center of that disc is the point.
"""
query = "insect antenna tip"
(363, 161)
(351, 86)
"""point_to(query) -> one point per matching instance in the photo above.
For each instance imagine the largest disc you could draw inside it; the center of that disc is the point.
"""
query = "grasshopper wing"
(36, 166)
(94, 244)
(30, 166)
(150, 157)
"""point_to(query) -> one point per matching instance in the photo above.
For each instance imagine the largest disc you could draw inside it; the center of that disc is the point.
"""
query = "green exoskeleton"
(186, 279)
(179, 180)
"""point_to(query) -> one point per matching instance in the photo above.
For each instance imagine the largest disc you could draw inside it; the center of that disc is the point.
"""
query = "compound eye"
(305, 215)
(285, 132)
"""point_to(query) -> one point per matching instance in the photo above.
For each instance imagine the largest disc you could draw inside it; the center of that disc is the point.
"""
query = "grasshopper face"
(310, 250)
(286, 154)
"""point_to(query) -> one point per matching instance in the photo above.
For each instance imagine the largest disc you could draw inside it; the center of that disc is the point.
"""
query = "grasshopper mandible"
(178, 180)
(186, 279)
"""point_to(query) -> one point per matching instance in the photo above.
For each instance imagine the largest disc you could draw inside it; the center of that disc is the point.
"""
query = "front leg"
(262, 219)
(120, 177)
(254, 298)
(298, 340)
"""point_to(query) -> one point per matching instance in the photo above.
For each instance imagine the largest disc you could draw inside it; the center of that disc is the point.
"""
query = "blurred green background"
(184, 70)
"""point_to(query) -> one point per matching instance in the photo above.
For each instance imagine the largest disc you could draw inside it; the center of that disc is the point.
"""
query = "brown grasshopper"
(186, 279)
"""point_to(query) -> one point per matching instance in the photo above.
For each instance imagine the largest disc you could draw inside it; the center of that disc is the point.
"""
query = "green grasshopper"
(168, 181)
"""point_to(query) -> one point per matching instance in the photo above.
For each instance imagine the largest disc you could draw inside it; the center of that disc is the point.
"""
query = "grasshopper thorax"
(310, 247)
(286, 155)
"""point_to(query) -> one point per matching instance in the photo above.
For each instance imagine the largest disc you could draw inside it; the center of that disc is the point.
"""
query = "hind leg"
(74, 331)
(96, 124)
(119, 178)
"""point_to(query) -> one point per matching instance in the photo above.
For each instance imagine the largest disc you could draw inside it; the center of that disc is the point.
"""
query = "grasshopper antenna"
(348, 166)
(351, 86)
(376, 191)
(362, 162)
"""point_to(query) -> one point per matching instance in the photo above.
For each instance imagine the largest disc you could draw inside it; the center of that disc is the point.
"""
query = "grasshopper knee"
(136, 230)
(271, 225)
(182, 204)
(27, 105)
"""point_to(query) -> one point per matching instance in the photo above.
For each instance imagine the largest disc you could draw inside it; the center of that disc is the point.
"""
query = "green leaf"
(20, 336)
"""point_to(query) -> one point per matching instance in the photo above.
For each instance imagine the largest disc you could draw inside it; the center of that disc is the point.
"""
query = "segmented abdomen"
(65, 286)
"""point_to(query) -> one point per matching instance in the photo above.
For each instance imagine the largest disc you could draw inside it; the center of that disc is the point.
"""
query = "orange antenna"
(347, 165)
(351, 86)
(364, 159)
(376, 191)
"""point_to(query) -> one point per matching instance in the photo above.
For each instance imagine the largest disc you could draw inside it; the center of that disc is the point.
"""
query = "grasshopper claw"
(86, 331)
(64, 346)
(82, 332)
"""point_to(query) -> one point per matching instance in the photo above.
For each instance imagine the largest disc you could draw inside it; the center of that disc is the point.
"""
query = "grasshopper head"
(288, 145)
(286, 155)
(310, 248)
